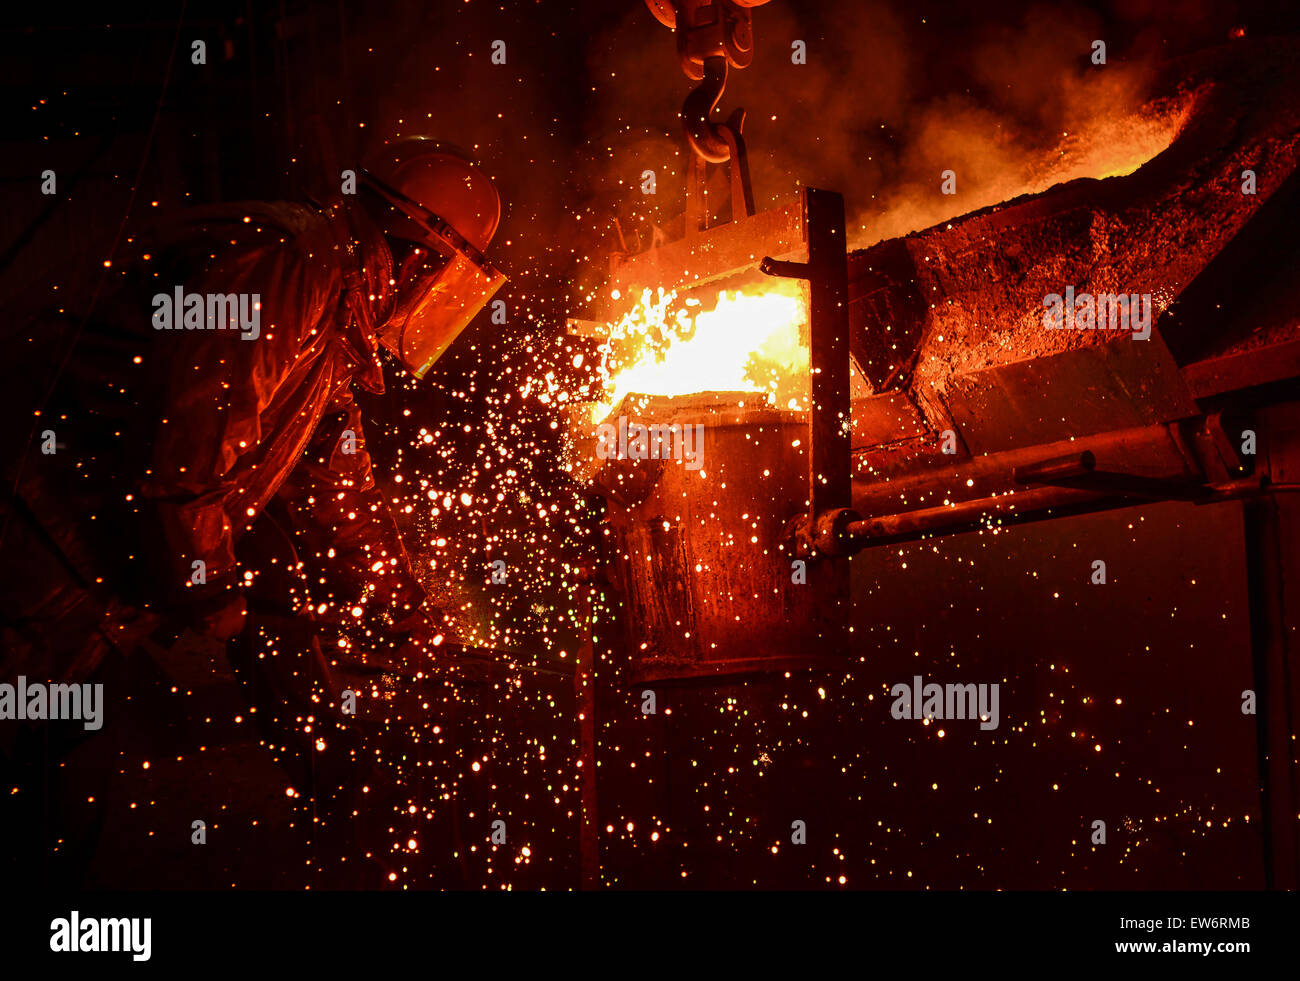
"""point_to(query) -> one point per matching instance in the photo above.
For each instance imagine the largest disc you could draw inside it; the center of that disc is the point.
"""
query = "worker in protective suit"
(202, 457)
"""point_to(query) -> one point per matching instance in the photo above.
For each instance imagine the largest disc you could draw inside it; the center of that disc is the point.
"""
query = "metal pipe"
(1037, 504)
(977, 514)
(1052, 471)
(893, 483)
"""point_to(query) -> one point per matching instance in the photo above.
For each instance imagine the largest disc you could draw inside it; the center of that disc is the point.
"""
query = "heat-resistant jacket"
(180, 437)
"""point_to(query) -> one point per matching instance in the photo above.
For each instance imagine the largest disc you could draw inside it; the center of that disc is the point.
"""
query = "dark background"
(1119, 704)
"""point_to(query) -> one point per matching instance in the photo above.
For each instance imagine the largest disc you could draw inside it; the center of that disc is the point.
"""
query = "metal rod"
(1051, 471)
(1036, 504)
(1136, 486)
(976, 514)
(784, 268)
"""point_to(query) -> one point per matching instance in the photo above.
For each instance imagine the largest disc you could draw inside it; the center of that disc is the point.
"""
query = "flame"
(1113, 135)
(1115, 145)
(751, 341)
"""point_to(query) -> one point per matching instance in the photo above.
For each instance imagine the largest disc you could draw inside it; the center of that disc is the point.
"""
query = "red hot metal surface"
(707, 585)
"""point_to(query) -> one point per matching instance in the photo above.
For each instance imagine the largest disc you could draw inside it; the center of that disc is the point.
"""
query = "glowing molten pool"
(753, 340)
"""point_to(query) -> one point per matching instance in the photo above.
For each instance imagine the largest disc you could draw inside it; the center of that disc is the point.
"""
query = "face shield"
(445, 287)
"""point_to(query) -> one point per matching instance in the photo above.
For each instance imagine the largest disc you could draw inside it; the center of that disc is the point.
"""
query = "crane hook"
(704, 136)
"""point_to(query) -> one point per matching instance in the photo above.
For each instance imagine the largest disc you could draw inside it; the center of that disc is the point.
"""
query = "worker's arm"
(342, 524)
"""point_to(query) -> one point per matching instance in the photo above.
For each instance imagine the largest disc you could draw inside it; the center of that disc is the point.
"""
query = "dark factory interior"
(762, 431)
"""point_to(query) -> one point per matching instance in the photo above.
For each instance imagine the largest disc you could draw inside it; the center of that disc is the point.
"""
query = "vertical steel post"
(1271, 569)
(1272, 536)
(830, 448)
(584, 689)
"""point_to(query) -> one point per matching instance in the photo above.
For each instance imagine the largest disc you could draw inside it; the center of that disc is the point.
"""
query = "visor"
(455, 295)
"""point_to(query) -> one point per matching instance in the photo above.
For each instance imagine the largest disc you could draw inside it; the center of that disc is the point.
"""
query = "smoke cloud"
(890, 98)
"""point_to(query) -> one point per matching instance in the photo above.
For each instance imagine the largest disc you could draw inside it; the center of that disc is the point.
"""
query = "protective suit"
(246, 420)
(175, 440)
(197, 504)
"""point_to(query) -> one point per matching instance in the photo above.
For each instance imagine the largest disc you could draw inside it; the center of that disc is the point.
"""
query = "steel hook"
(702, 134)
